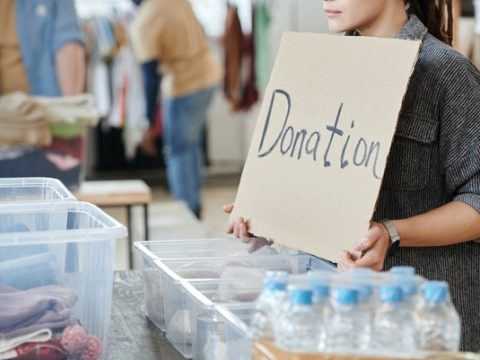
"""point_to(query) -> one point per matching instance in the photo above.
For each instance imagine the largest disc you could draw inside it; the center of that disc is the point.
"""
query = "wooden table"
(132, 335)
(119, 193)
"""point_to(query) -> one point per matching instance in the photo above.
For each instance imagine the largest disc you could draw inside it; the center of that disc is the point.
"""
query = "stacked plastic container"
(56, 270)
(188, 281)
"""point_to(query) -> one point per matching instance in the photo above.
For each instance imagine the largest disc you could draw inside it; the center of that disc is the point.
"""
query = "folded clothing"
(23, 121)
(26, 120)
(70, 109)
(45, 350)
(36, 336)
(23, 312)
(20, 108)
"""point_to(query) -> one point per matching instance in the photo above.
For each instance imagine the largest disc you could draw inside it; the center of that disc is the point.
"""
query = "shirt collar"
(413, 29)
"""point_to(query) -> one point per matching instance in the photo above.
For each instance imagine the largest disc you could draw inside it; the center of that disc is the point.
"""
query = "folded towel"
(22, 312)
(39, 335)
(70, 109)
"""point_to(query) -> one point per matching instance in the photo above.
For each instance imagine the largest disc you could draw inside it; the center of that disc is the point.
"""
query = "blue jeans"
(184, 121)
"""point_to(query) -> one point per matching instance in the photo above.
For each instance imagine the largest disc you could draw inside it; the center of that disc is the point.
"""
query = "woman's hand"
(239, 228)
(374, 248)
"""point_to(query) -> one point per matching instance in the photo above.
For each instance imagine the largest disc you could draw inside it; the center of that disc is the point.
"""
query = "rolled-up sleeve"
(67, 27)
(460, 136)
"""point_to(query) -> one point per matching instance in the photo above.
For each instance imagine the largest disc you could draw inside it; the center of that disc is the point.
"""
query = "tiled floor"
(170, 220)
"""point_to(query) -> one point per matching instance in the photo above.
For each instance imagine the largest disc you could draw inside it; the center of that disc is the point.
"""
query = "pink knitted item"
(73, 338)
(92, 349)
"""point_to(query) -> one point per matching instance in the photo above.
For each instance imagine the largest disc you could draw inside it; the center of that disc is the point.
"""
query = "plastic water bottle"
(393, 326)
(319, 282)
(437, 321)
(362, 280)
(299, 329)
(409, 285)
(321, 305)
(268, 304)
(343, 334)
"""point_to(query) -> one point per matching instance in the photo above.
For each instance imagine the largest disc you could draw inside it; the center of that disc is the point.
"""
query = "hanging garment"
(250, 93)
(129, 108)
(261, 27)
(233, 47)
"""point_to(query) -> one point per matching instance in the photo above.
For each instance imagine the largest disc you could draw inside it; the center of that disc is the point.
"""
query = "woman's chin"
(337, 28)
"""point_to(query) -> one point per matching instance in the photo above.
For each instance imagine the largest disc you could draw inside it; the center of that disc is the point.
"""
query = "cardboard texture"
(322, 137)
(264, 350)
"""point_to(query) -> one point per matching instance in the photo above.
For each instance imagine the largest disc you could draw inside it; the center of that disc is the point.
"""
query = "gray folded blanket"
(46, 307)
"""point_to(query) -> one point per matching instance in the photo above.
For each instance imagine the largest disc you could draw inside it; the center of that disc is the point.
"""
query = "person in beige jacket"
(166, 35)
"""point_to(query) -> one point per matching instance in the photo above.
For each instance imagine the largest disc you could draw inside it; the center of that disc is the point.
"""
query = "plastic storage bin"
(237, 336)
(62, 254)
(152, 251)
(194, 325)
(33, 189)
(226, 280)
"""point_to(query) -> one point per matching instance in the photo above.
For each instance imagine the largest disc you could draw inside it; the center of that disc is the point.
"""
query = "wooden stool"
(119, 193)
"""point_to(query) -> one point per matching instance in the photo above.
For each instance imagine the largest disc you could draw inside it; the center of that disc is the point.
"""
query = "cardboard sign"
(322, 138)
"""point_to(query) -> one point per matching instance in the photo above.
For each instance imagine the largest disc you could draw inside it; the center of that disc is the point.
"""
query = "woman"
(431, 185)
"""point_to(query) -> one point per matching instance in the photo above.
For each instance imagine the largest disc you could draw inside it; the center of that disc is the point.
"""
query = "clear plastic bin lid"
(33, 189)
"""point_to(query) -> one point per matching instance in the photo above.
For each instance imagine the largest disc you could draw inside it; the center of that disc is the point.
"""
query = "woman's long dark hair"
(436, 15)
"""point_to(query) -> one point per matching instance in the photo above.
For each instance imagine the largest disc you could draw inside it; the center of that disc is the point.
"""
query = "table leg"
(145, 218)
(130, 242)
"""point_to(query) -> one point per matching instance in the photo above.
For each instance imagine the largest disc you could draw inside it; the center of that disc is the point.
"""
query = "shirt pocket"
(409, 162)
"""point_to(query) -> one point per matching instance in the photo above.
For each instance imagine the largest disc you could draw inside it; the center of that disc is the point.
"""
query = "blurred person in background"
(42, 54)
(41, 47)
(167, 35)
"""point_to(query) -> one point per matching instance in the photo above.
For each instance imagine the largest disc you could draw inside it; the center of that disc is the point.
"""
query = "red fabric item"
(73, 147)
(239, 49)
(47, 350)
(250, 92)
(233, 47)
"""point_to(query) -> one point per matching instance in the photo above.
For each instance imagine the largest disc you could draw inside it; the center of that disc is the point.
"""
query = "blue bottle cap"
(301, 296)
(281, 275)
(364, 287)
(408, 284)
(346, 296)
(275, 285)
(391, 293)
(435, 291)
(320, 289)
(319, 282)
(403, 270)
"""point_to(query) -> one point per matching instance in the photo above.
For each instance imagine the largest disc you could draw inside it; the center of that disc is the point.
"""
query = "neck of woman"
(389, 23)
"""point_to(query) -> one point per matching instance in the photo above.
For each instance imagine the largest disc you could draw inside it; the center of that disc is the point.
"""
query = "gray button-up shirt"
(435, 159)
